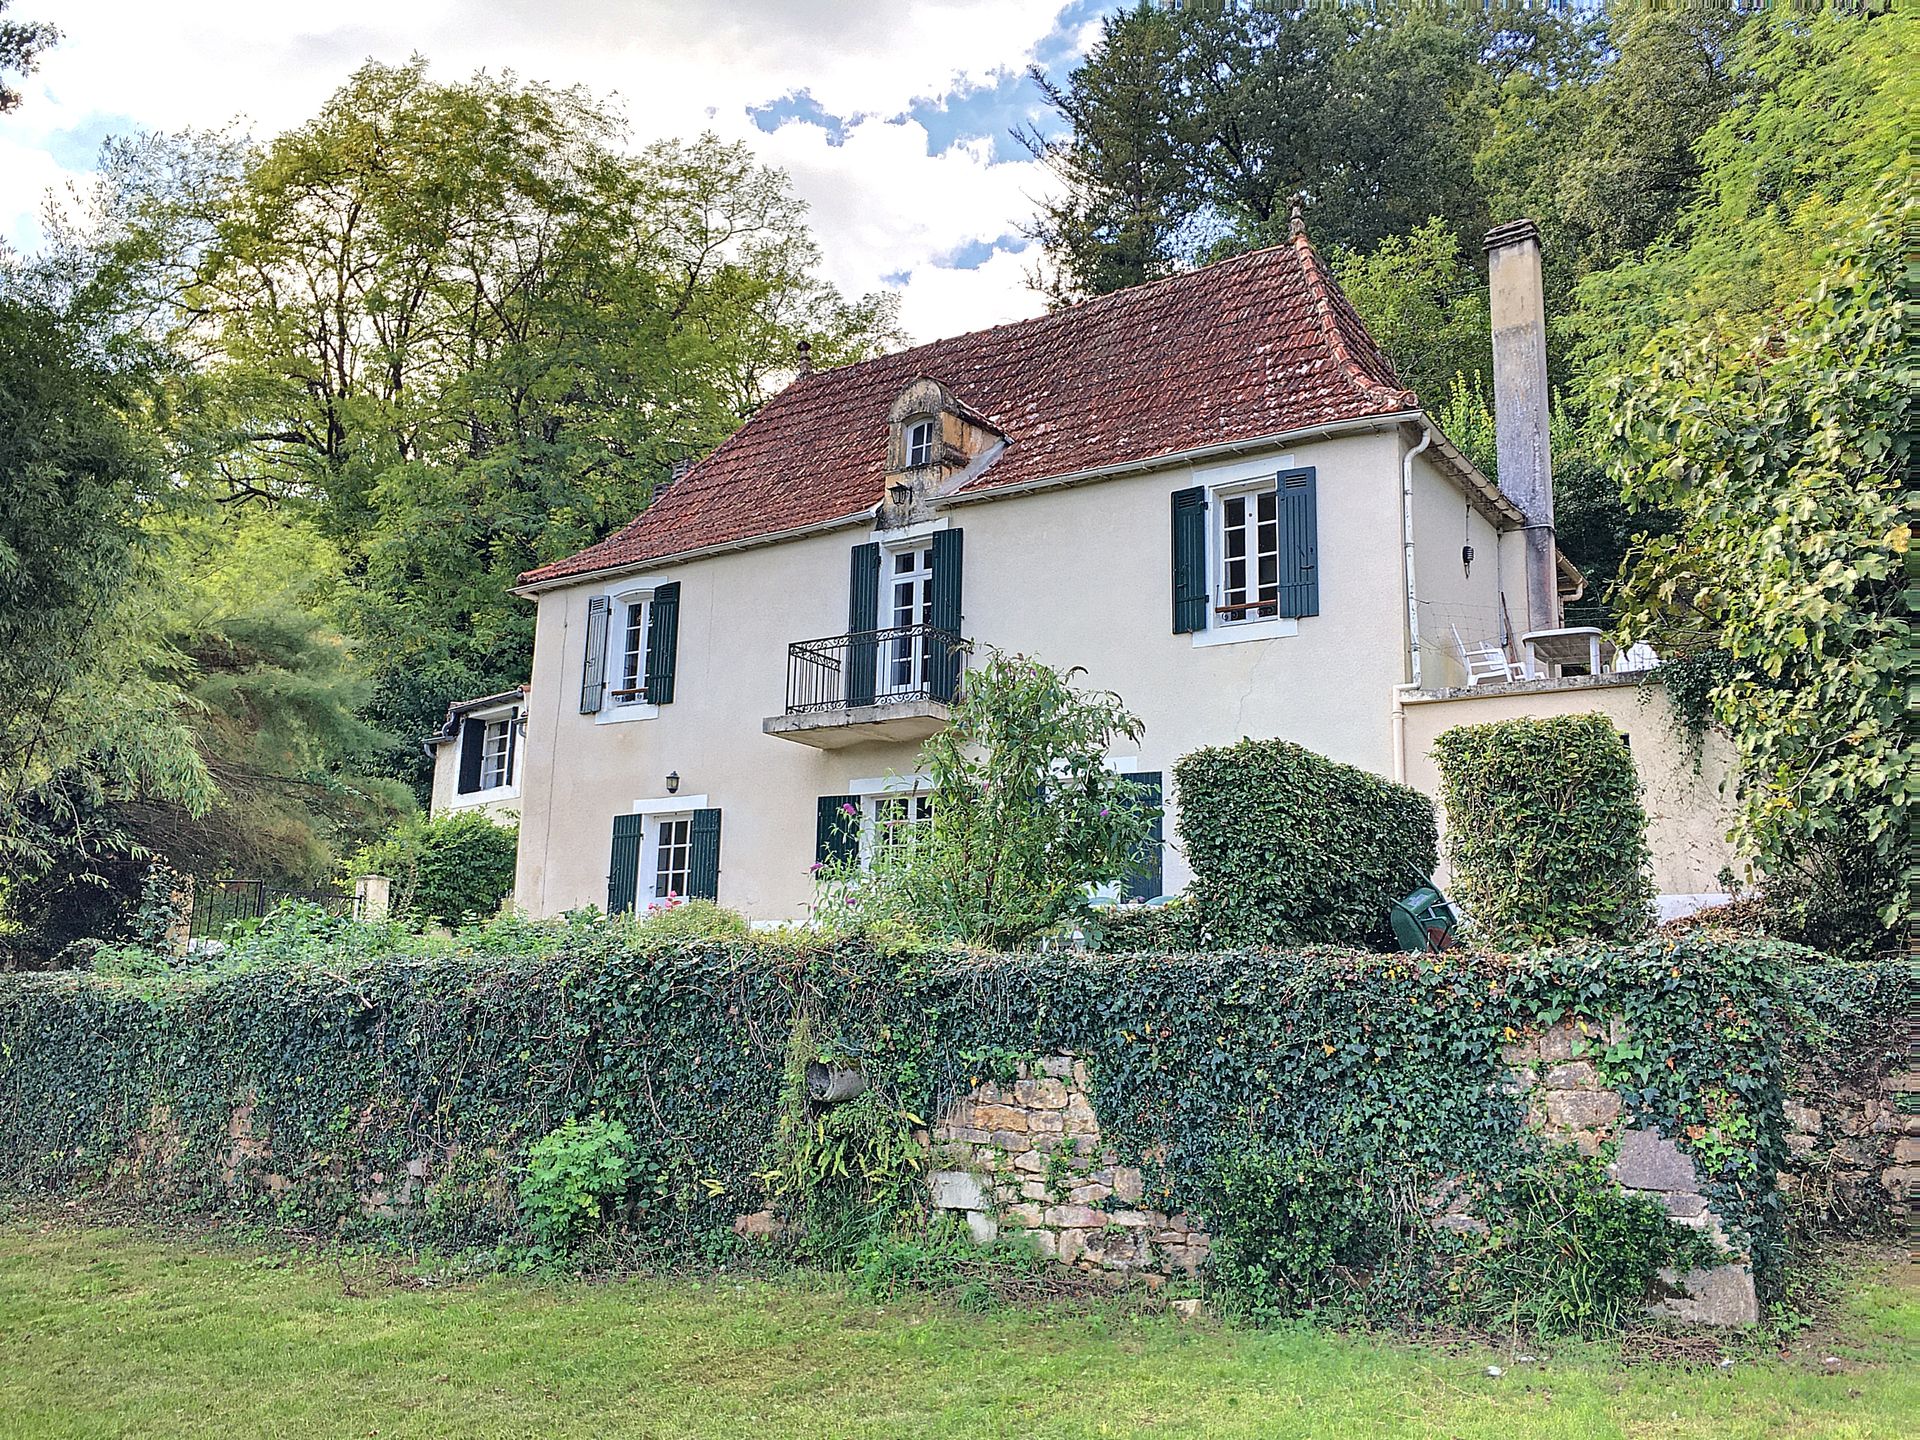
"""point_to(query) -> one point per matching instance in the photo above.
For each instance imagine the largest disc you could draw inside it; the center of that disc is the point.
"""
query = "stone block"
(1047, 1243)
(1023, 1215)
(1069, 1245)
(1718, 1295)
(1800, 1117)
(1128, 1184)
(1033, 1190)
(1059, 1067)
(1186, 1309)
(1073, 1216)
(1708, 1224)
(1906, 1151)
(1647, 1160)
(1573, 1075)
(1081, 1079)
(982, 1227)
(1681, 1205)
(1000, 1117)
(957, 1190)
(1014, 1142)
(1042, 1094)
(1800, 1146)
(1089, 1194)
(1046, 1122)
(1030, 1162)
(1557, 1043)
(762, 1224)
(1134, 1219)
(1582, 1109)
(1521, 1054)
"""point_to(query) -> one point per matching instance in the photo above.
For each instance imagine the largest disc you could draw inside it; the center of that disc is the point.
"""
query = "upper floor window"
(920, 443)
(496, 754)
(1248, 582)
(632, 686)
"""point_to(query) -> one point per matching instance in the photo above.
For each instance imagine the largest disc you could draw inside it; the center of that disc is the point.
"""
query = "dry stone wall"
(1027, 1155)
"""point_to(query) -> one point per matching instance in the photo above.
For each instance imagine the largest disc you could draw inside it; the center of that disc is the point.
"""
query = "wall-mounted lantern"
(673, 782)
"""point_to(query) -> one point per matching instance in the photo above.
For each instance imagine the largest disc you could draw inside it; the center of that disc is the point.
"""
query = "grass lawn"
(114, 1332)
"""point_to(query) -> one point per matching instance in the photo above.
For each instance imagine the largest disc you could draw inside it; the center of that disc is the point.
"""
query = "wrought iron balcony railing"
(873, 667)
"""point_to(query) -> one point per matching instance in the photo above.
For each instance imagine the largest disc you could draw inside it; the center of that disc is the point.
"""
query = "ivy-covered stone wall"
(1362, 1099)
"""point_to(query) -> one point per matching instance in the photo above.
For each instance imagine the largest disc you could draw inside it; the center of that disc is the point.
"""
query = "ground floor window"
(672, 845)
(894, 821)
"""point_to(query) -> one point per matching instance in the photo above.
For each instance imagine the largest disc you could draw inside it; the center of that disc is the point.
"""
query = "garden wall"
(1393, 1092)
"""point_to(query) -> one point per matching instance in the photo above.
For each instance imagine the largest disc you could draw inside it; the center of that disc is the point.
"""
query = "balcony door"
(909, 612)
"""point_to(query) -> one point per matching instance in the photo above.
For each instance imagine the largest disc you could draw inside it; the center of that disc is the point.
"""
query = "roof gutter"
(746, 542)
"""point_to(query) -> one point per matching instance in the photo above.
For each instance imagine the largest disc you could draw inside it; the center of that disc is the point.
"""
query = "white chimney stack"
(1519, 312)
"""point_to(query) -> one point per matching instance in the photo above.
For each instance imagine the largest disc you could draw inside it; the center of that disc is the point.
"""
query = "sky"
(893, 120)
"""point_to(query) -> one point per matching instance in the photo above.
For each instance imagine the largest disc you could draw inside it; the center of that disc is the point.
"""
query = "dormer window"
(919, 443)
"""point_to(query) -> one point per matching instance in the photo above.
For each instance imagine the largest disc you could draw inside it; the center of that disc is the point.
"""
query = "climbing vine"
(438, 1083)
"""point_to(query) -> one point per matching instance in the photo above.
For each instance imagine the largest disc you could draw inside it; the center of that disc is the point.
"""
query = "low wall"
(1093, 1101)
(1687, 788)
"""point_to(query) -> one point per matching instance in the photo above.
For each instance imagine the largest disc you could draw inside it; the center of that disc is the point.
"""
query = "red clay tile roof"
(1254, 346)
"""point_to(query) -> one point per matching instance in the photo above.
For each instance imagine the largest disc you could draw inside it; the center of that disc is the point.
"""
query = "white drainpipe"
(1406, 563)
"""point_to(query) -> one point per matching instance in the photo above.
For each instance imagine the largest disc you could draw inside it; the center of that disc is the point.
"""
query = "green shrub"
(678, 920)
(1293, 1232)
(574, 1176)
(1567, 1252)
(446, 870)
(1546, 837)
(1117, 929)
(1291, 848)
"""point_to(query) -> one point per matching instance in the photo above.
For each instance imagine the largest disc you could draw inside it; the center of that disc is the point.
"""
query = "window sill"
(618, 714)
(1245, 630)
(485, 797)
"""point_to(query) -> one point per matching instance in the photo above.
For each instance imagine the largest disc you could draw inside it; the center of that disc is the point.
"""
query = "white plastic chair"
(1486, 663)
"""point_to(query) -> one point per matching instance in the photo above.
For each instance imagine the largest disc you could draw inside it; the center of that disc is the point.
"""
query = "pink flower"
(847, 809)
(816, 867)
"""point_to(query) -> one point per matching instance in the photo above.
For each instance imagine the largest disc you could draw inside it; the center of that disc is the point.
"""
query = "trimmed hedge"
(1378, 1075)
(446, 870)
(1291, 848)
(1546, 836)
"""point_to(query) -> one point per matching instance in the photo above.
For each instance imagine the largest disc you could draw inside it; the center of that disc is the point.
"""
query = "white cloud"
(882, 204)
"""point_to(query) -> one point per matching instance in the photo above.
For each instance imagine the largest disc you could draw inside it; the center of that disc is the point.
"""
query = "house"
(1211, 492)
(477, 755)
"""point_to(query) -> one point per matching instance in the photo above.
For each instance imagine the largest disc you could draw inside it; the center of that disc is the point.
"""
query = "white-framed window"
(496, 754)
(1246, 571)
(630, 674)
(909, 603)
(667, 865)
(894, 821)
(920, 435)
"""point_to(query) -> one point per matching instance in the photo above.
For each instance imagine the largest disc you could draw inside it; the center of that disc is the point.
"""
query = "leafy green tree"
(1027, 819)
(21, 42)
(1782, 452)
(464, 331)
(1426, 307)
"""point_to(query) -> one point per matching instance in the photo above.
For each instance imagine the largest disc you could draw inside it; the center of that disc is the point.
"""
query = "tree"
(1782, 453)
(461, 331)
(21, 42)
(1027, 819)
(1425, 306)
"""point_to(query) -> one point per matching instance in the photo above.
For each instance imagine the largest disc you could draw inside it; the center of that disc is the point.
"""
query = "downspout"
(1406, 561)
(1400, 692)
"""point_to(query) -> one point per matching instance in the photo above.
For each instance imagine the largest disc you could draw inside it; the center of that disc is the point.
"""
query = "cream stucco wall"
(1075, 576)
(445, 797)
(1688, 792)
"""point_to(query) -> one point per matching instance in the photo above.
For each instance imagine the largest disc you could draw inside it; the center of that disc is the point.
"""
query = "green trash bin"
(1424, 920)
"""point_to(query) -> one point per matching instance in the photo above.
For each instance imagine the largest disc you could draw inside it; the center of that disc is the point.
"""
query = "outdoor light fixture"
(1466, 559)
(673, 782)
(900, 492)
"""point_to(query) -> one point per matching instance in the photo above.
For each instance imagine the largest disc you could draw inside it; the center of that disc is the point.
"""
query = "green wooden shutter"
(1190, 597)
(1146, 879)
(836, 835)
(703, 856)
(623, 863)
(1299, 544)
(943, 650)
(663, 642)
(593, 678)
(513, 740)
(473, 743)
(863, 618)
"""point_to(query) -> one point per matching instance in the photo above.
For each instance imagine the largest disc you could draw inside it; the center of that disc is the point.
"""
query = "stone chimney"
(1520, 404)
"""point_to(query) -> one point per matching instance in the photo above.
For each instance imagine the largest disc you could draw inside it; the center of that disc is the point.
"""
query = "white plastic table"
(1576, 645)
